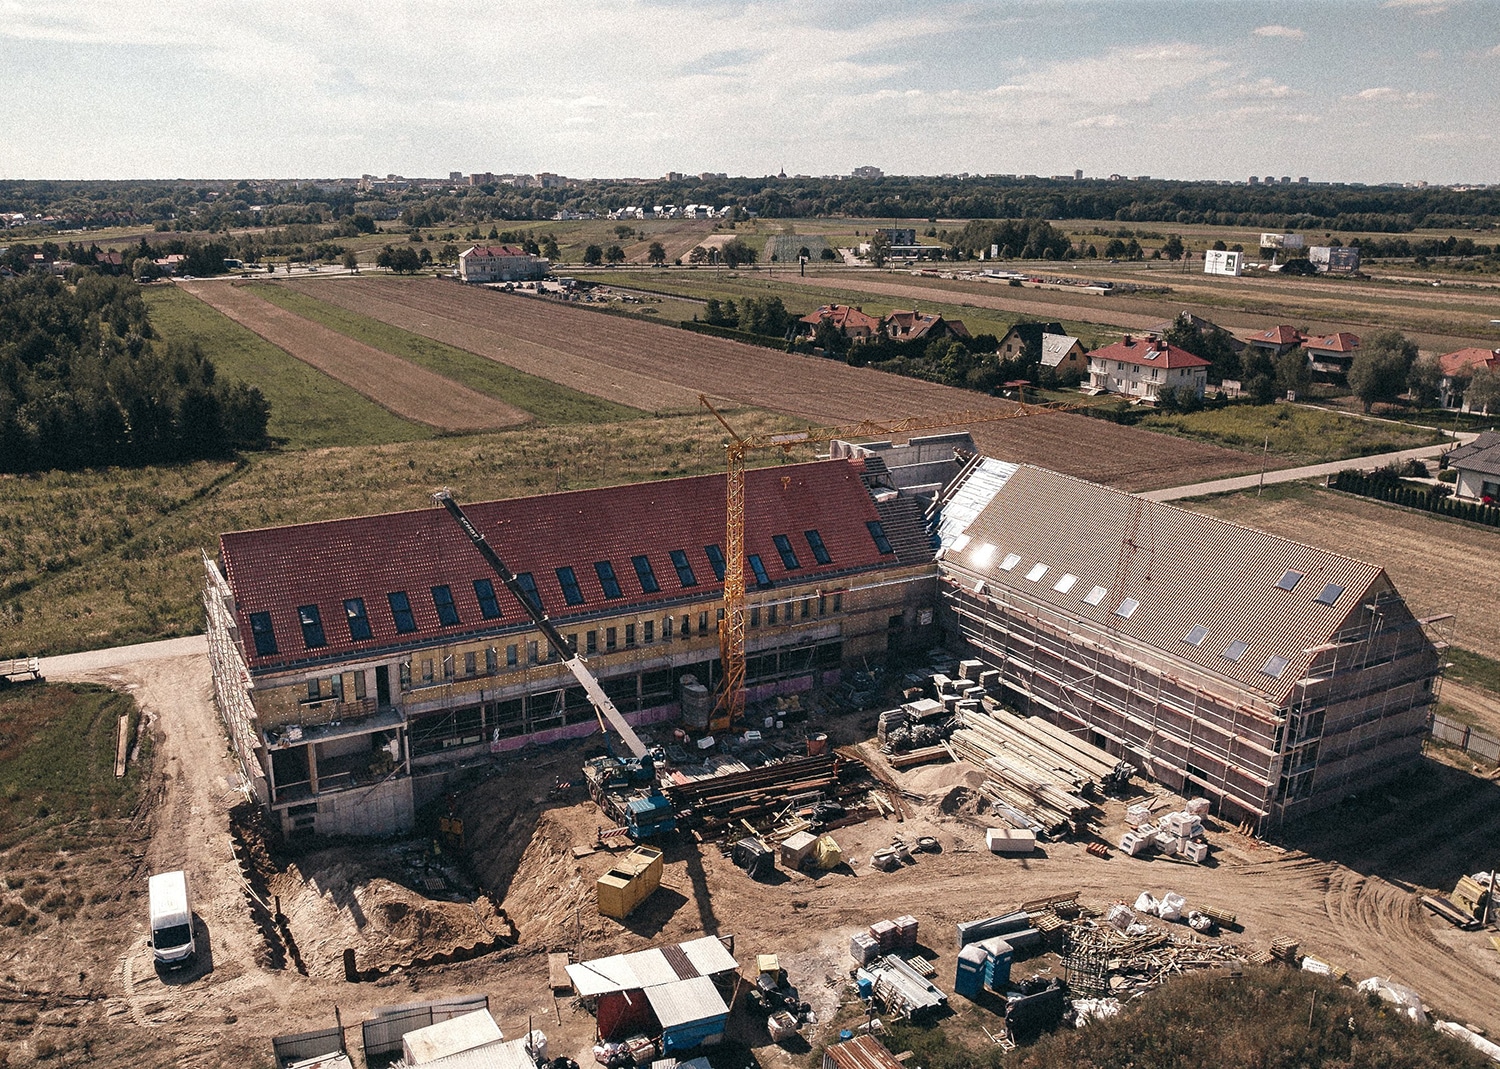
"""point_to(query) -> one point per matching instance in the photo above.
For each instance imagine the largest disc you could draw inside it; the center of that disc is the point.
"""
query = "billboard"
(1281, 241)
(1219, 262)
(1334, 259)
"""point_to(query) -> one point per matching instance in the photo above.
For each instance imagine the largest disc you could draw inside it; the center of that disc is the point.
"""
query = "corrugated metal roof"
(709, 955)
(1184, 569)
(276, 570)
(651, 967)
(510, 1054)
(861, 1052)
(453, 1036)
(647, 968)
(686, 1001)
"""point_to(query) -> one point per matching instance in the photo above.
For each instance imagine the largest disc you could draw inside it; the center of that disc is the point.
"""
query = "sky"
(1369, 91)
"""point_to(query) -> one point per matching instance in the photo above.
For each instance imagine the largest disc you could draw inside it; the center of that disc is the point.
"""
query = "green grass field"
(309, 410)
(546, 400)
(1473, 669)
(1304, 435)
(57, 758)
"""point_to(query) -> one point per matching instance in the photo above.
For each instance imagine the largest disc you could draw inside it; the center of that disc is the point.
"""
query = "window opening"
(647, 577)
(442, 600)
(489, 607)
(264, 633)
(312, 626)
(789, 559)
(606, 573)
(815, 543)
(401, 612)
(358, 619)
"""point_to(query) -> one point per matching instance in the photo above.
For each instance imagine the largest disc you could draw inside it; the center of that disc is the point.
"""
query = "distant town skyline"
(1372, 92)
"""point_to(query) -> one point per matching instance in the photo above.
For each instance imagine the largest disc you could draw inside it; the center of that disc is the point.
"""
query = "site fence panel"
(383, 1033)
(305, 1045)
(1467, 738)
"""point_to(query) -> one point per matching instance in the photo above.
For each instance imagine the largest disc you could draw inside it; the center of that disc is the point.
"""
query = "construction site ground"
(86, 989)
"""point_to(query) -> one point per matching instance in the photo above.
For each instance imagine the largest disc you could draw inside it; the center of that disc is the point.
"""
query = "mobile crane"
(625, 788)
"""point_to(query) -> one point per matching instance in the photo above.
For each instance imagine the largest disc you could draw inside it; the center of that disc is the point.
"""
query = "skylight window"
(1235, 650)
(761, 578)
(716, 560)
(1095, 596)
(312, 626)
(264, 633)
(1275, 665)
(1010, 561)
(1330, 594)
(1127, 608)
(528, 588)
(568, 580)
(401, 612)
(789, 559)
(643, 572)
(960, 542)
(442, 601)
(359, 620)
(877, 532)
(819, 550)
(1290, 580)
(606, 573)
(1065, 584)
(489, 607)
(1196, 636)
(1036, 573)
(685, 574)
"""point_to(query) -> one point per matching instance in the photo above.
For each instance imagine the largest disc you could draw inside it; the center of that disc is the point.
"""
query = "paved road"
(1287, 475)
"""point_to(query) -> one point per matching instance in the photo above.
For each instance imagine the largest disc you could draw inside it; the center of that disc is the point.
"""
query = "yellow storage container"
(630, 882)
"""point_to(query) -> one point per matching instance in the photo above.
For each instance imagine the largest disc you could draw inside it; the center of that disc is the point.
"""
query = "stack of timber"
(712, 804)
(1031, 785)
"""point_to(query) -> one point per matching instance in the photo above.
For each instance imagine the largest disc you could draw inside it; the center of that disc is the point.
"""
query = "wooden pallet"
(921, 966)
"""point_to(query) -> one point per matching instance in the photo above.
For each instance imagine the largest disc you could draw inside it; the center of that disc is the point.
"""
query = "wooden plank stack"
(711, 804)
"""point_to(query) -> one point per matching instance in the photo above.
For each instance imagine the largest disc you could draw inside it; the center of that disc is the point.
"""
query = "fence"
(1467, 738)
(304, 1045)
(382, 1033)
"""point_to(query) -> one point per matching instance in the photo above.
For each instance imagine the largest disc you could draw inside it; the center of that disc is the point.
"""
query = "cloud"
(1421, 7)
(1384, 94)
(1279, 31)
(1100, 122)
(1494, 52)
(1263, 89)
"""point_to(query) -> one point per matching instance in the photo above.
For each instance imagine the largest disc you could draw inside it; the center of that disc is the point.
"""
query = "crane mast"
(730, 708)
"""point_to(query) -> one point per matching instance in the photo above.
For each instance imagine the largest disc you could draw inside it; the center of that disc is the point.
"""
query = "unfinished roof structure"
(1268, 674)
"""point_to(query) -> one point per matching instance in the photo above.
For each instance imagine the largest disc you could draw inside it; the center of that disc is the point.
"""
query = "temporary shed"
(510, 1054)
(690, 1013)
(861, 1052)
(630, 882)
(456, 1035)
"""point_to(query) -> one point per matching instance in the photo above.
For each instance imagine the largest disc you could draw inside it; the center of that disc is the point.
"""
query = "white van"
(171, 919)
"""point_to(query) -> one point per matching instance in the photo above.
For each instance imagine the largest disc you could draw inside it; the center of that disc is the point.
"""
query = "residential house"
(1457, 368)
(1064, 355)
(1277, 340)
(852, 323)
(1199, 324)
(922, 326)
(1331, 355)
(1478, 468)
(1143, 367)
(1023, 335)
(500, 263)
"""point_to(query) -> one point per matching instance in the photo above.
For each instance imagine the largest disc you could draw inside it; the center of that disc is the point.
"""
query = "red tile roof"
(1149, 352)
(278, 569)
(1463, 361)
(843, 317)
(1282, 335)
(907, 326)
(1341, 342)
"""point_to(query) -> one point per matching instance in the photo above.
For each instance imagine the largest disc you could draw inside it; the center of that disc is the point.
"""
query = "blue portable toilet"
(973, 970)
(997, 967)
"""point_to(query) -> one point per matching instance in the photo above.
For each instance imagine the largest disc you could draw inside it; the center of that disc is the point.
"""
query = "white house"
(1143, 367)
(500, 263)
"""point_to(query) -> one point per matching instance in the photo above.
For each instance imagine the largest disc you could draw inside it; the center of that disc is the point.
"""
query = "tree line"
(86, 381)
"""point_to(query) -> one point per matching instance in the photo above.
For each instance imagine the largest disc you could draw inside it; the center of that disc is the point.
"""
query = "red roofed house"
(1331, 355)
(852, 323)
(914, 325)
(1277, 340)
(500, 263)
(355, 659)
(1143, 367)
(1458, 368)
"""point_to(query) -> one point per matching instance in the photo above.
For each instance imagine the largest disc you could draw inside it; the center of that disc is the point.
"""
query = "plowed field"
(661, 368)
(391, 382)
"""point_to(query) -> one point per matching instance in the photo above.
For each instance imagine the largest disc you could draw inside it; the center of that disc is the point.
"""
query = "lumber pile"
(757, 794)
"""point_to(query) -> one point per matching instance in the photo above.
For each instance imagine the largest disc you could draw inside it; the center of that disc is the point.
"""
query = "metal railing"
(1466, 737)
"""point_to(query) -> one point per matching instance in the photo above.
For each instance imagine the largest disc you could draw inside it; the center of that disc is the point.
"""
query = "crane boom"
(731, 701)
(604, 709)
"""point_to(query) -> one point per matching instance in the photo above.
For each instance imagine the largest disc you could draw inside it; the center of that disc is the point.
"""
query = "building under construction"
(1272, 677)
(355, 660)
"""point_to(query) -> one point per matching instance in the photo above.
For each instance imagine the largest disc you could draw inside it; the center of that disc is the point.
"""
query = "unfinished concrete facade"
(357, 661)
(1272, 677)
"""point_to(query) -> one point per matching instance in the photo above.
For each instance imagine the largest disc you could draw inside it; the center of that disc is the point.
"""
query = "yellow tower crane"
(730, 707)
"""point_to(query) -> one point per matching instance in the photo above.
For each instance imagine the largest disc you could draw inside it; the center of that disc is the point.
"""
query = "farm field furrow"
(672, 366)
(395, 384)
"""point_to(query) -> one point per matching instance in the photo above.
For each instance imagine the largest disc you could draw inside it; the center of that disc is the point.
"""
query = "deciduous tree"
(1381, 367)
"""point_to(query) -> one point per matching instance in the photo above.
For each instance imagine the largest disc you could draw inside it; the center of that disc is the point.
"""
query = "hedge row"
(1383, 489)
